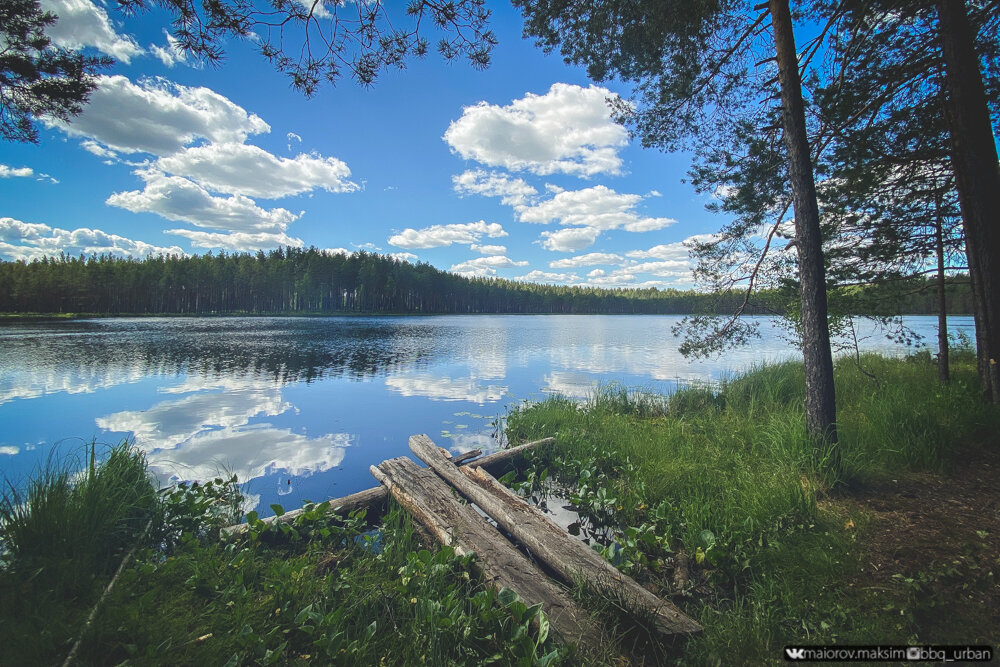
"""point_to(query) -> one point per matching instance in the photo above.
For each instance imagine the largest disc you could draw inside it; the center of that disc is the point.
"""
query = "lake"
(299, 408)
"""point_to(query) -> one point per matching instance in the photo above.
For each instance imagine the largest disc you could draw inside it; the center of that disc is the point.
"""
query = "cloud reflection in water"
(209, 433)
(445, 388)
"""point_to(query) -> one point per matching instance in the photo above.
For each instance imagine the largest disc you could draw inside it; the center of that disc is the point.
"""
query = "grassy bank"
(710, 496)
(325, 589)
(777, 546)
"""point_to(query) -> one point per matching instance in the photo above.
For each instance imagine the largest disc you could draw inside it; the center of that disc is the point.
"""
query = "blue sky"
(516, 171)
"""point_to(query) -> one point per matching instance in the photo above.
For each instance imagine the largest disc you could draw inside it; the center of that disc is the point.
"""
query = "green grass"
(324, 589)
(728, 477)
(339, 597)
(61, 537)
(66, 527)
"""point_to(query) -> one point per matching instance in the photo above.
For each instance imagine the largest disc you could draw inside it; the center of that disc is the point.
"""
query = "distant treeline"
(291, 280)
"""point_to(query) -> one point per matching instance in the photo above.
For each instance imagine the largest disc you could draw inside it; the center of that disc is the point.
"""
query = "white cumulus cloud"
(317, 8)
(171, 53)
(15, 230)
(567, 130)
(176, 198)
(512, 191)
(485, 266)
(590, 259)
(338, 251)
(158, 117)
(95, 148)
(664, 265)
(438, 236)
(16, 172)
(82, 23)
(199, 141)
(537, 276)
(237, 168)
(677, 251)
(489, 249)
(27, 241)
(671, 267)
(236, 241)
(613, 279)
(598, 207)
(570, 239)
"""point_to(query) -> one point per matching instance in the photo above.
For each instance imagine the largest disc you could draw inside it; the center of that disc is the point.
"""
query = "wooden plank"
(374, 499)
(432, 502)
(546, 540)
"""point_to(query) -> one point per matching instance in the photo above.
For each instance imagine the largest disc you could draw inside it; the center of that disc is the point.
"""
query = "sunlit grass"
(728, 476)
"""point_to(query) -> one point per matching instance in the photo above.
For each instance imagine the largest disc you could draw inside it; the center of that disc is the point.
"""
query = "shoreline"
(60, 317)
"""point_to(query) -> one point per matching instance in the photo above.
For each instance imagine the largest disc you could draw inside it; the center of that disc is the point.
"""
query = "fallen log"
(547, 541)
(431, 502)
(500, 461)
(467, 456)
(373, 499)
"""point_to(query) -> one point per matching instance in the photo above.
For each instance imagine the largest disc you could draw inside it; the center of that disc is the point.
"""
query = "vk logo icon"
(795, 653)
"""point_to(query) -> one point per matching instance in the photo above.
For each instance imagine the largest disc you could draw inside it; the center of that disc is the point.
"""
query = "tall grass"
(62, 535)
(66, 528)
(739, 454)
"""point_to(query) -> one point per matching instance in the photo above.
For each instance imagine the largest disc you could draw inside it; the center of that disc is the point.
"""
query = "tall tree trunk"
(977, 177)
(821, 407)
(944, 374)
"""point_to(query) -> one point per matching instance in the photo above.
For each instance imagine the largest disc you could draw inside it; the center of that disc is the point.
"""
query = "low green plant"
(199, 510)
(321, 588)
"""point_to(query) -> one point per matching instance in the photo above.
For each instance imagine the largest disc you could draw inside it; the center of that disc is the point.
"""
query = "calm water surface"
(299, 408)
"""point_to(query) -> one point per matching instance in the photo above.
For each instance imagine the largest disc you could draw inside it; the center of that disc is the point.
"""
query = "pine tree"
(37, 79)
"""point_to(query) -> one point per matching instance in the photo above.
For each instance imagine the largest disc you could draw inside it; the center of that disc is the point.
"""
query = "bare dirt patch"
(935, 540)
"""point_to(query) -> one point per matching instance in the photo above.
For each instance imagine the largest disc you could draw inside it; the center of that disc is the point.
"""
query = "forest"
(312, 281)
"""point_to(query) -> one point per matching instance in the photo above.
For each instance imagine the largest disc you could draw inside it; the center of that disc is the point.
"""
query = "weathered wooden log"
(374, 499)
(547, 541)
(499, 462)
(371, 499)
(431, 502)
(467, 456)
